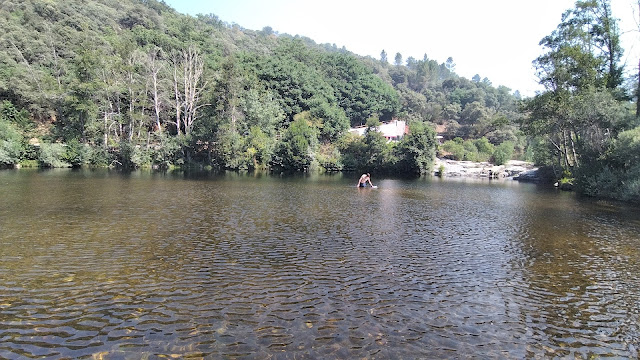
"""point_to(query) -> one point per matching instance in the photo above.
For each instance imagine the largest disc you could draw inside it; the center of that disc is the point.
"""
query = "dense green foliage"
(583, 125)
(133, 83)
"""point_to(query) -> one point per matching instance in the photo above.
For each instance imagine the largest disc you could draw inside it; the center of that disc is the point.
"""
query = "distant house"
(441, 129)
(393, 130)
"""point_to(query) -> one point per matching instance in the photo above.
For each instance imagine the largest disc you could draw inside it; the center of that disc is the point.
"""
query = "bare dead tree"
(154, 65)
(638, 84)
(188, 85)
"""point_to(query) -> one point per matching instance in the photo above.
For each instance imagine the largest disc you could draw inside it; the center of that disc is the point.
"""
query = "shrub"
(99, 157)
(416, 151)
(454, 148)
(470, 151)
(230, 151)
(294, 152)
(53, 155)
(485, 149)
(503, 153)
(29, 163)
(617, 174)
(168, 152)
(328, 157)
(132, 156)
(76, 154)
(352, 148)
(260, 147)
(11, 144)
(10, 113)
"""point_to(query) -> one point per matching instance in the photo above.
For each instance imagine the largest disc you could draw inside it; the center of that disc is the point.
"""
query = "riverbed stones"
(453, 168)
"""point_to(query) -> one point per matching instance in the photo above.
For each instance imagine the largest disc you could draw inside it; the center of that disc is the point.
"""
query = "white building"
(393, 130)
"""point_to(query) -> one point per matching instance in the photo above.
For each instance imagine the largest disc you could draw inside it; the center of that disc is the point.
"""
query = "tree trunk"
(176, 92)
(187, 76)
(573, 149)
(638, 93)
(154, 67)
(565, 149)
(638, 88)
(106, 129)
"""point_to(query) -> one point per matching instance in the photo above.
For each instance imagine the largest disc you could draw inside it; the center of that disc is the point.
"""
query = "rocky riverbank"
(514, 169)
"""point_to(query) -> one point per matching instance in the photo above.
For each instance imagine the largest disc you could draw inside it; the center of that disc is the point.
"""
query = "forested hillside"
(133, 83)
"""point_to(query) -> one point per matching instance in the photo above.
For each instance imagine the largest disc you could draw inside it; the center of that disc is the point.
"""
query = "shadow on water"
(231, 265)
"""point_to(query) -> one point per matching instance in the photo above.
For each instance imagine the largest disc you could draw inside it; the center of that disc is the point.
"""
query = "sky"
(496, 39)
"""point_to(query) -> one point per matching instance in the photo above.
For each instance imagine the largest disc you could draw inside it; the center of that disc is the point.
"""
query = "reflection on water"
(237, 266)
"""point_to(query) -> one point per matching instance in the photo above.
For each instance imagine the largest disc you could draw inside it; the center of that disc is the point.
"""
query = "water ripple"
(240, 267)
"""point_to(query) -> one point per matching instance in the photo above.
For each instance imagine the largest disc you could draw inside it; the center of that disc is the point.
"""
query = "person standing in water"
(364, 179)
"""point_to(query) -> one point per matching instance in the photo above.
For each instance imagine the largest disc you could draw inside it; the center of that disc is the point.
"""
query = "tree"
(188, 86)
(417, 150)
(132, 80)
(578, 112)
(81, 104)
(294, 152)
(637, 93)
(358, 91)
(450, 65)
(154, 65)
(383, 57)
(584, 50)
(377, 155)
(398, 59)
(11, 143)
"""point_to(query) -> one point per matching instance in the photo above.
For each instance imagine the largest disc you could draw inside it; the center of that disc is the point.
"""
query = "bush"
(231, 152)
(503, 153)
(294, 152)
(168, 152)
(77, 154)
(470, 151)
(99, 157)
(10, 113)
(132, 156)
(53, 155)
(416, 151)
(617, 174)
(454, 148)
(352, 148)
(11, 144)
(485, 149)
(29, 163)
(329, 158)
(260, 147)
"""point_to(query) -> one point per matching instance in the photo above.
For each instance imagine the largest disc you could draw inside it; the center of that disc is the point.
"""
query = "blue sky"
(497, 39)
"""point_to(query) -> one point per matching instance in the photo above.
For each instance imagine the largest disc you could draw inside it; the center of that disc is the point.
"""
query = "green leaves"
(294, 152)
(584, 50)
(417, 150)
(11, 143)
(129, 78)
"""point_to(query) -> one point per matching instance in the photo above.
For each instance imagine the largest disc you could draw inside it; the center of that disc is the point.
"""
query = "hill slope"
(114, 75)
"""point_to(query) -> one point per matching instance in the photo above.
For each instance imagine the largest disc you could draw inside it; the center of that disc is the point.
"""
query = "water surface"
(146, 265)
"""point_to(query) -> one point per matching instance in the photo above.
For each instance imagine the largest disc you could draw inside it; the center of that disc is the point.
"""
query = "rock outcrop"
(512, 169)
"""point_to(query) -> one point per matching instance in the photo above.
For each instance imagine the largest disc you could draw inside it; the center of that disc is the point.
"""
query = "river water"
(99, 264)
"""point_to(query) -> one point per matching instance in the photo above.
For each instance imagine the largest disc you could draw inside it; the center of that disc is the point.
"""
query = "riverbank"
(513, 169)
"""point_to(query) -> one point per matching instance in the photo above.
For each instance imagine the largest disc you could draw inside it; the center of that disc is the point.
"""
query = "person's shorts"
(363, 185)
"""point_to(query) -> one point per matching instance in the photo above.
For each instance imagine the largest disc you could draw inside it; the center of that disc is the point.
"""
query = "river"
(100, 264)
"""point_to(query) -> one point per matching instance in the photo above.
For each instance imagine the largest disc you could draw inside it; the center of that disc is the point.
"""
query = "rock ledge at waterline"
(514, 169)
